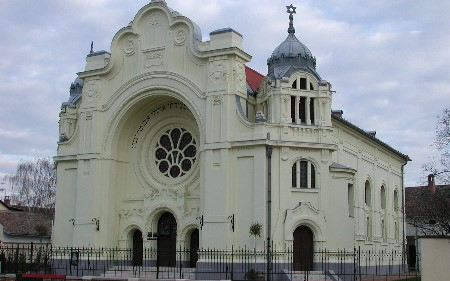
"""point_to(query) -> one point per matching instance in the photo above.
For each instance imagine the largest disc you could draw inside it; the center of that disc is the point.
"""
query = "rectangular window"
(313, 176)
(293, 109)
(303, 174)
(294, 175)
(311, 110)
(302, 110)
(303, 83)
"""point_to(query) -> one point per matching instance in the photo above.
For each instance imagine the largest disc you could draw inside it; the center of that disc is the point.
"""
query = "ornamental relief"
(180, 36)
(91, 88)
(154, 21)
(217, 99)
(153, 58)
(239, 72)
(129, 47)
(131, 214)
(217, 72)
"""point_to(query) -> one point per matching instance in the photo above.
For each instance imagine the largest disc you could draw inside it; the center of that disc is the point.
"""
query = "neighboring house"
(168, 136)
(427, 211)
(17, 225)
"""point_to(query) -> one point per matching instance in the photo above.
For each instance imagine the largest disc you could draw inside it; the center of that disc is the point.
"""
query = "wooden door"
(303, 249)
(167, 239)
(138, 248)
(194, 248)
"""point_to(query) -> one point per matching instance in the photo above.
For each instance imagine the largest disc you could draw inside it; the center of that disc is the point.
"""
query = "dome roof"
(291, 47)
(291, 55)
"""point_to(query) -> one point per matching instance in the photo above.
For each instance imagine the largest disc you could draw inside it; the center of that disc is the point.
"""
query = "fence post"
(232, 261)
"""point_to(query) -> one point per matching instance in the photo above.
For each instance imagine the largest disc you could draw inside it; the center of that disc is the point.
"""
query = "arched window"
(303, 174)
(367, 193)
(396, 200)
(383, 197)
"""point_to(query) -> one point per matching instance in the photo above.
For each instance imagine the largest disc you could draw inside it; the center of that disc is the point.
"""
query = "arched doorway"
(303, 248)
(167, 239)
(194, 245)
(138, 248)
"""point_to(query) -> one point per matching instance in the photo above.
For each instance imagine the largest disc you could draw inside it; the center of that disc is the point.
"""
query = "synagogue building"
(169, 141)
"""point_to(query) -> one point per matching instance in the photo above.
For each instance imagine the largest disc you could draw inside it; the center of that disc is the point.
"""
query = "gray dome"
(291, 55)
(291, 47)
(76, 89)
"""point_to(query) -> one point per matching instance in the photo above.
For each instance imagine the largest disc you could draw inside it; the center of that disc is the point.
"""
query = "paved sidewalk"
(411, 275)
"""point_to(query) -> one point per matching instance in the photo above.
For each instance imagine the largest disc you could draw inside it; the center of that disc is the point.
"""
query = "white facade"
(166, 124)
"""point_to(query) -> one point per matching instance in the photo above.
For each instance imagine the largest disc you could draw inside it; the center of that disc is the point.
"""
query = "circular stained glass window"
(175, 153)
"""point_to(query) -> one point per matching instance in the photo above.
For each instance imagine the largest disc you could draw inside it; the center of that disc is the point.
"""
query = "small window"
(303, 174)
(293, 109)
(311, 86)
(311, 110)
(294, 175)
(383, 230)
(294, 84)
(367, 193)
(303, 83)
(302, 110)
(396, 200)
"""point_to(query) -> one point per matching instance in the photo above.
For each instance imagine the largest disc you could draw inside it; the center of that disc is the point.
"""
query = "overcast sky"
(388, 61)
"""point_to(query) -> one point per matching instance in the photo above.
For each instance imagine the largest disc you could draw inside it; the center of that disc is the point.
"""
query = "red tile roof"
(254, 78)
(24, 223)
(420, 203)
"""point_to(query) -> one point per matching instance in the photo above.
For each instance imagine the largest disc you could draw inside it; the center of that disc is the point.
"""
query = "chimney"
(431, 184)
(7, 201)
(337, 113)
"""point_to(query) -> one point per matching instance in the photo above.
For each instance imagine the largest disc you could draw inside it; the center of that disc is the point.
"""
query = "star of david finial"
(291, 9)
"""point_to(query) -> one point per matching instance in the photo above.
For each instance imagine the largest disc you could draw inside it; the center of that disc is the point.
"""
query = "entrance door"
(138, 248)
(303, 248)
(167, 238)
(194, 248)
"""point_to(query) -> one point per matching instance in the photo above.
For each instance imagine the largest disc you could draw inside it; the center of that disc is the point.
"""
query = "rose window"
(175, 153)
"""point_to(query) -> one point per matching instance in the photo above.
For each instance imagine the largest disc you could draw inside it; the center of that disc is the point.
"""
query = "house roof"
(420, 203)
(24, 223)
(369, 135)
(9, 207)
(254, 78)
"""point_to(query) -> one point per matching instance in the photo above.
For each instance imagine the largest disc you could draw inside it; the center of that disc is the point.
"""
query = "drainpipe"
(269, 207)
(403, 211)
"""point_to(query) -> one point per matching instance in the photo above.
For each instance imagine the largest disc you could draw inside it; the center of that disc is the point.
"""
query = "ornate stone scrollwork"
(180, 36)
(217, 99)
(129, 47)
(154, 58)
(217, 72)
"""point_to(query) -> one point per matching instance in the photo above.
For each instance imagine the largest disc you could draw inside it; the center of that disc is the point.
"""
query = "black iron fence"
(231, 264)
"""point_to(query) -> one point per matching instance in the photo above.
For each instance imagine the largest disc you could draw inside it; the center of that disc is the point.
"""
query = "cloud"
(387, 60)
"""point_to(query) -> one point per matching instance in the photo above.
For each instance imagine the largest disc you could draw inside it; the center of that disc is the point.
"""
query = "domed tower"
(293, 92)
(291, 55)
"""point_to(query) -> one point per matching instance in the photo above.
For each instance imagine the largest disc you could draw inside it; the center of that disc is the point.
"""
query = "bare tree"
(34, 183)
(440, 167)
(429, 211)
